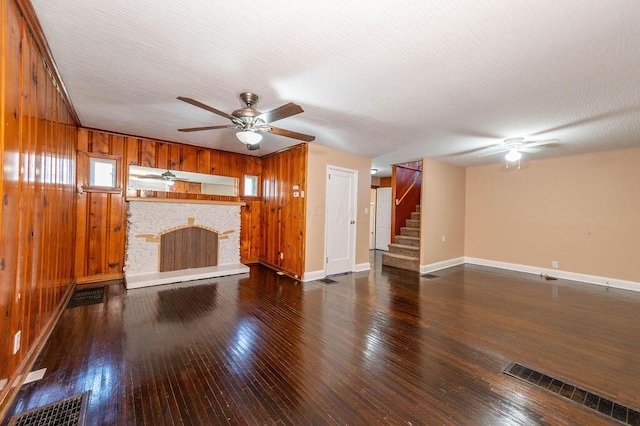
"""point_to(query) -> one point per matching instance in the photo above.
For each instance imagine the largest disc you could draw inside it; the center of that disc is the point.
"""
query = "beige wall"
(319, 157)
(443, 212)
(582, 211)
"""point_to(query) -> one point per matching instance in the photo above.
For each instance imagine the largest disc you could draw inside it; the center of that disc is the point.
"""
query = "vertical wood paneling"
(189, 161)
(116, 235)
(147, 153)
(37, 191)
(204, 165)
(130, 157)
(101, 233)
(282, 222)
(162, 162)
(11, 87)
(403, 175)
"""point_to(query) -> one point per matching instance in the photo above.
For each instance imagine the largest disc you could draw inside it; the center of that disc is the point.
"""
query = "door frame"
(353, 208)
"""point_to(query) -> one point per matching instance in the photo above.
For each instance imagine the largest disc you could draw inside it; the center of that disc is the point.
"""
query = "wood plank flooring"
(385, 347)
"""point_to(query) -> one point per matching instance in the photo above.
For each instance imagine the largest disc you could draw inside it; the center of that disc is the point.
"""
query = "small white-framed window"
(102, 172)
(250, 186)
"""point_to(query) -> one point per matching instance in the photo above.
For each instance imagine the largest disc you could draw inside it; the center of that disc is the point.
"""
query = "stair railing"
(413, 183)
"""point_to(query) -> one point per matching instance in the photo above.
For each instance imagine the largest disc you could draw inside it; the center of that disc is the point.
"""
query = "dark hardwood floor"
(384, 347)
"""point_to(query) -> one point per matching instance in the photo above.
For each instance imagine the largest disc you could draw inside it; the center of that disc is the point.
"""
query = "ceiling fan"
(167, 176)
(250, 122)
(514, 147)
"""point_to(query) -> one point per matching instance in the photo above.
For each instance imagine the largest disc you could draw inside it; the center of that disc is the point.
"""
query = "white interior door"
(383, 218)
(372, 220)
(340, 220)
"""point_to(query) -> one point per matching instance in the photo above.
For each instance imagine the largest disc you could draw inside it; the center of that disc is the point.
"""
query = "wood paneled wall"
(37, 189)
(283, 220)
(385, 182)
(102, 216)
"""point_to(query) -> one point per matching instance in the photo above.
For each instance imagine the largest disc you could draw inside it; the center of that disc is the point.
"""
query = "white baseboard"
(318, 275)
(313, 275)
(360, 267)
(424, 269)
(557, 273)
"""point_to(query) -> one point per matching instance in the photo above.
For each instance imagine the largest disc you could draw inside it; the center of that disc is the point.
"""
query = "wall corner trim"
(441, 265)
(557, 273)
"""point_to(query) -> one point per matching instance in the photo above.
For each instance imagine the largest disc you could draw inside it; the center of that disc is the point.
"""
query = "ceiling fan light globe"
(513, 155)
(249, 137)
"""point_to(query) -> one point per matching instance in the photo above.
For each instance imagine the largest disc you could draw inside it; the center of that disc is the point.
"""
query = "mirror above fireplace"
(154, 179)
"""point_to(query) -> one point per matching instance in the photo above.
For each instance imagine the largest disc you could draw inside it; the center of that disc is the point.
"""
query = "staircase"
(405, 252)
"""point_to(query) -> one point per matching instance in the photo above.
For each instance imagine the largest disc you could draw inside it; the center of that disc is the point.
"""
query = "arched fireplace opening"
(188, 247)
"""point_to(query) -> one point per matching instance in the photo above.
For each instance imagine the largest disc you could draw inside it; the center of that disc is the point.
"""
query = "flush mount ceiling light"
(249, 137)
(374, 171)
(513, 154)
(514, 147)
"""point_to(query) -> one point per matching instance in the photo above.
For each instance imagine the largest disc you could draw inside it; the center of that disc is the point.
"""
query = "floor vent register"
(581, 396)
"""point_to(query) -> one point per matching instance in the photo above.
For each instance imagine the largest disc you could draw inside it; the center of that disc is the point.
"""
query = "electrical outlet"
(554, 264)
(16, 342)
(444, 238)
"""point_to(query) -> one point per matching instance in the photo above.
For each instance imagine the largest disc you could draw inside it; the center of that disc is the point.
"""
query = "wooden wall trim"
(99, 278)
(31, 19)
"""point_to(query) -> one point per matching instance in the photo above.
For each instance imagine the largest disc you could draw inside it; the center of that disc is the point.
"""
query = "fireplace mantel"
(185, 201)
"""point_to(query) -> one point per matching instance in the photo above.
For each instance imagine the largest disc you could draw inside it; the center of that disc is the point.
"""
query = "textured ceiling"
(394, 81)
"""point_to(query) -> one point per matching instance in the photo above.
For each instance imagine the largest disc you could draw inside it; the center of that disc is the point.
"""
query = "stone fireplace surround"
(150, 218)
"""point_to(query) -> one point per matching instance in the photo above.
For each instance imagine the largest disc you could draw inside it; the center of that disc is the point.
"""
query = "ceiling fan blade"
(196, 129)
(253, 147)
(529, 150)
(284, 111)
(502, 151)
(540, 143)
(291, 134)
(207, 107)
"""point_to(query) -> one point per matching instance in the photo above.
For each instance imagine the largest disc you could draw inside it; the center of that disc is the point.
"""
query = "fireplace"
(188, 247)
(172, 240)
